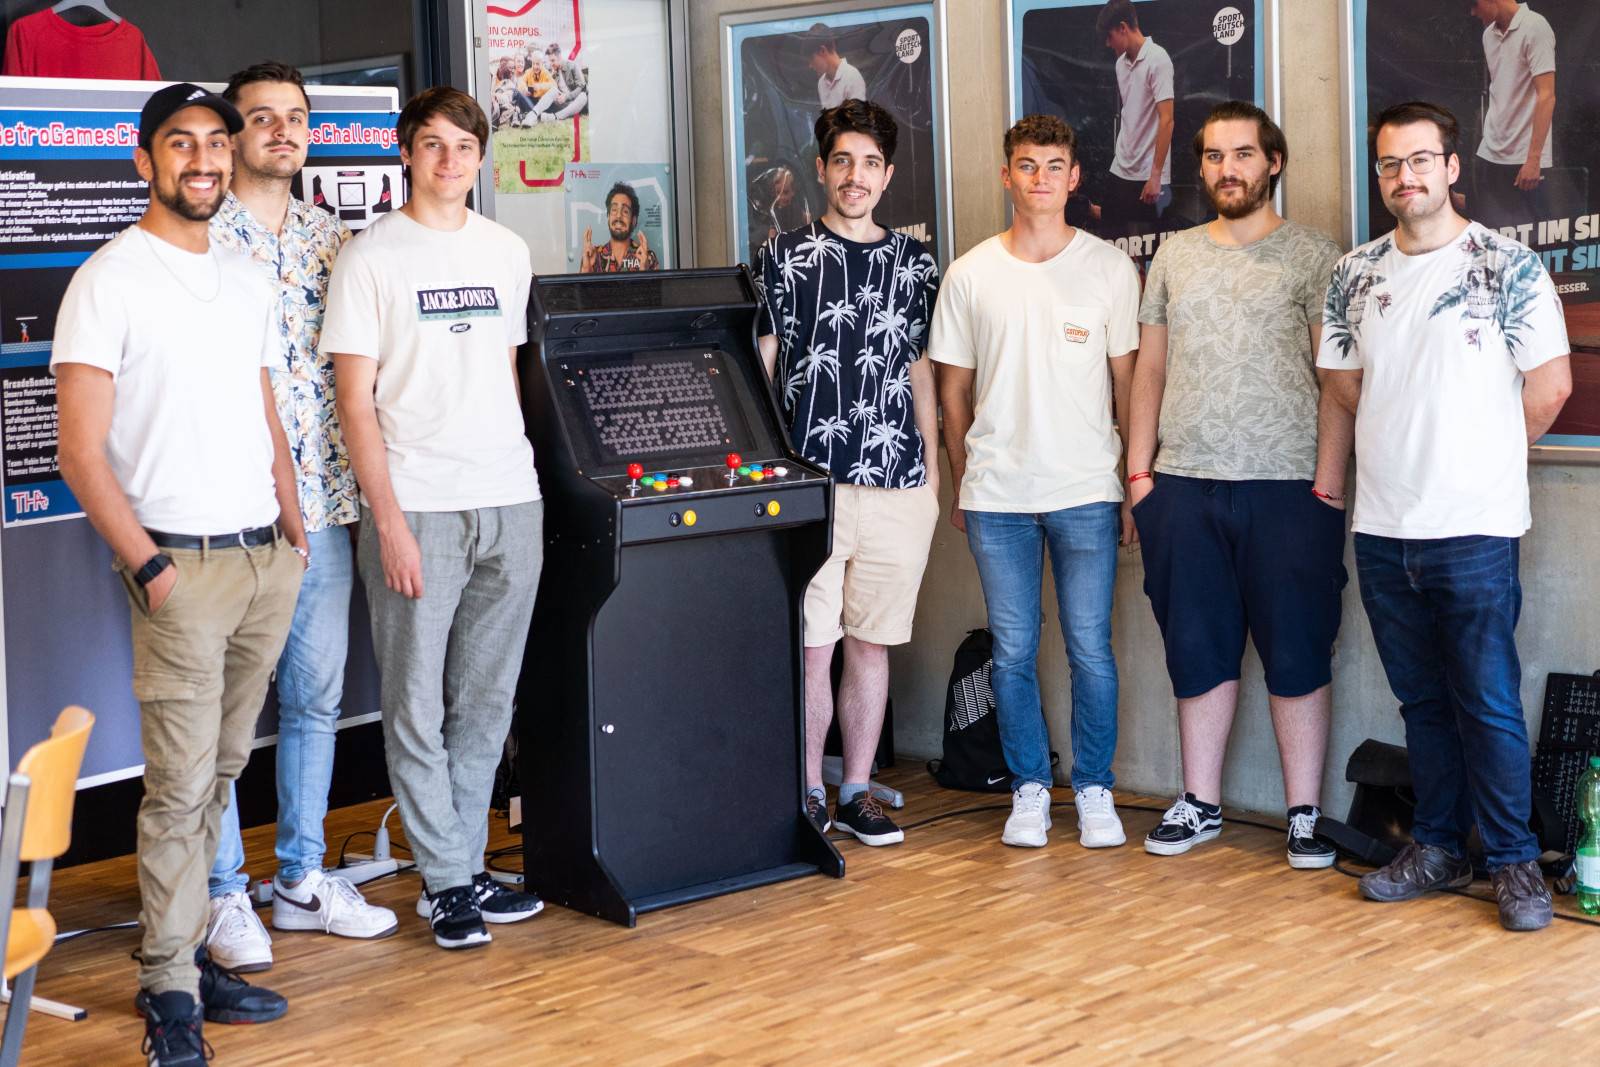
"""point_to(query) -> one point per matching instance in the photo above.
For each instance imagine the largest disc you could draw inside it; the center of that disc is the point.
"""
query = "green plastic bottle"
(1588, 857)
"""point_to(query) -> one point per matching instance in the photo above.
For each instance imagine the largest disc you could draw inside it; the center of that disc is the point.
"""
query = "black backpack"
(973, 758)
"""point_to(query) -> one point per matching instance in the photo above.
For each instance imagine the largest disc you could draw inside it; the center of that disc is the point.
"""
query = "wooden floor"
(950, 948)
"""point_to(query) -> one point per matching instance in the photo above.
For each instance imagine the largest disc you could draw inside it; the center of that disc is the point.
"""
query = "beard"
(273, 168)
(846, 209)
(1247, 198)
(620, 231)
(180, 203)
(1416, 207)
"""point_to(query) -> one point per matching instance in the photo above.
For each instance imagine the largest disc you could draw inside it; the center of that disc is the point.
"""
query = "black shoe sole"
(228, 1017)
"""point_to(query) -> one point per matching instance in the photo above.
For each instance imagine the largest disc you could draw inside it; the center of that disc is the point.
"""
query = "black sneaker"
(454, 917)
(817, 811)
(499, 903)
(1415, 870)
(1305, 851)
(1187, 823)
(172, 1035)
(864, 817)
(227, 998)
(1523, 897)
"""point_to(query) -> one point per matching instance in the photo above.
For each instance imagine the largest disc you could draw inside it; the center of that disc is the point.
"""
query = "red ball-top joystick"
(733, 462)
(635, 472)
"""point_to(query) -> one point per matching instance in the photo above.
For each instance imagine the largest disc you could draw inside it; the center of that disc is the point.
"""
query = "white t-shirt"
(1526, 50)
(846, 84)
(1442, 340)
(1143, 83)
(1039, 335)
(185, 337)
(438, 311)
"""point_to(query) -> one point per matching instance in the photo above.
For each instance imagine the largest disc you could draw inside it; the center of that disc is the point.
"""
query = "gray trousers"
(448, 664)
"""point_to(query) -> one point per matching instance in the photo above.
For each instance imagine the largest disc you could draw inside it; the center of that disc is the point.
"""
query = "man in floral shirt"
(623, 252)
(845, 313)
(295, 245)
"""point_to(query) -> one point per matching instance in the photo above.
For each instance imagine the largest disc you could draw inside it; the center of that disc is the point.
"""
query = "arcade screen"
(659, 406)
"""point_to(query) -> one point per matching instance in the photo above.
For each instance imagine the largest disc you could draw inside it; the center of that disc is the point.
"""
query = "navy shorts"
(1224, 558)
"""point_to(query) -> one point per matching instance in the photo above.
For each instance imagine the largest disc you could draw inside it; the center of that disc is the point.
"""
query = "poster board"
(67, 185)
(1396, 51)
(772, 95)
(1059, 65)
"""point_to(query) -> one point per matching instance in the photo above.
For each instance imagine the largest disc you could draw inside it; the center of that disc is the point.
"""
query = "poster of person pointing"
(1523, 80)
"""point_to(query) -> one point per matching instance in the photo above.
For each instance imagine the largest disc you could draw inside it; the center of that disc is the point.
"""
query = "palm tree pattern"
(850, 320)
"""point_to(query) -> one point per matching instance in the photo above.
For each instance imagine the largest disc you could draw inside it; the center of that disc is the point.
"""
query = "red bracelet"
(1318, 493)
(1135, 477)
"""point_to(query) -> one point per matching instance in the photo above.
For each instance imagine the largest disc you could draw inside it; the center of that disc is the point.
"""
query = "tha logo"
(30, 500)
(1076, 334)
(457, 302)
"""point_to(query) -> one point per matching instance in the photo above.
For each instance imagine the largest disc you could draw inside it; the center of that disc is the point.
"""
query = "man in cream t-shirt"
(1036, 329)
(426, 309)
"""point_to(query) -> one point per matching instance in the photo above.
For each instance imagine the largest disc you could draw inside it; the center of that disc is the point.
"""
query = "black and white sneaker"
(499, 903)
(817, 811)
(1305, 851)
(454, 917)
(172, 1036)
(1187, 823)
(864, 817)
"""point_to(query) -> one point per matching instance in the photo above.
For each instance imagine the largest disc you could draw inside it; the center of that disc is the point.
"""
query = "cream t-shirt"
(1039, 335)
(438, 311)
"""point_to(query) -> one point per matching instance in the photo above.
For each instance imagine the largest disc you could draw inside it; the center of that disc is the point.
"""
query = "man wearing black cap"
(170, 439)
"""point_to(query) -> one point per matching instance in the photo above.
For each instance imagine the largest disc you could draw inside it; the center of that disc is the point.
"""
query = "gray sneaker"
(1415, 870)
(1523, 897)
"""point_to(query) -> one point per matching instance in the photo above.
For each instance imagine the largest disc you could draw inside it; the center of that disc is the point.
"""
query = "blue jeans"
(1444, 614)
(1009, 550)
(310, 685)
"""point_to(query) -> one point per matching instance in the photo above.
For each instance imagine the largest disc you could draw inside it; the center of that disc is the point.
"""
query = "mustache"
(184, 176)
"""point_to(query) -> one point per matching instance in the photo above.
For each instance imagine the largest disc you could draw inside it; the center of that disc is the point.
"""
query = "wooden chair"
(37, 828)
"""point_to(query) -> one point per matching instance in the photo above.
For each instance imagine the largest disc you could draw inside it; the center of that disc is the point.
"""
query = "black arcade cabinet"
(660, 707)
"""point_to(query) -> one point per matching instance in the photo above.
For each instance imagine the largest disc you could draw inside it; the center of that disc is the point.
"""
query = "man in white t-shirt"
(1141, 172)
(837, 80)
(1036, 330)
(426, 309)
(170, 440)
(1520, 50)
(1447, 343)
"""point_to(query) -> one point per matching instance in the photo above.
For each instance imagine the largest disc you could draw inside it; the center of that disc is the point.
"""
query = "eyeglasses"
(1420, 163)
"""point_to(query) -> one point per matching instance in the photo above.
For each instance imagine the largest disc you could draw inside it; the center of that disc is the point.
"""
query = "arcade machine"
(660, 706)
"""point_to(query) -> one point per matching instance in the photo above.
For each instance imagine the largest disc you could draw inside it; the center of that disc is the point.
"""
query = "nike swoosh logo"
(314, 904)
(1002, 778)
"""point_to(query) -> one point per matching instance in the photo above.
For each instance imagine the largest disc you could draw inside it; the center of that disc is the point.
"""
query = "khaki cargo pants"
(201, 665)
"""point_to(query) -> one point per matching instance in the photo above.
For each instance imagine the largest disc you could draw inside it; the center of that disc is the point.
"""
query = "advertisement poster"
(1424, 50)
(68, 185)
(618, 218)
(1184, 56)
(539, 95)
(781, 76)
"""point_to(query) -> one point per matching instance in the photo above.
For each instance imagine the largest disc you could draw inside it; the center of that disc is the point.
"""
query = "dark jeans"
(1496, 200)
(1444, 613)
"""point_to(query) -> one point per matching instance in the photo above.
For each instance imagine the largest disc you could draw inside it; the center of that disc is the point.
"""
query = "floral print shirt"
(300, 261)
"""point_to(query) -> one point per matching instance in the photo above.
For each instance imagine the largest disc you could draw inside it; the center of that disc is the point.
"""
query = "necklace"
(211, 254)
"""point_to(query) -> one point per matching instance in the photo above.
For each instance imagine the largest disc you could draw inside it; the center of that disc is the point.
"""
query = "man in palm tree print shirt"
(845, 311)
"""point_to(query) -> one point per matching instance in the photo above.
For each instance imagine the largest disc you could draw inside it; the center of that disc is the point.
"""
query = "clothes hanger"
(98, 6)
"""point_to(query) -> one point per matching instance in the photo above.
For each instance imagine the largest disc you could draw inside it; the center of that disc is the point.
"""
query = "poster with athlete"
(1135, 81)
(618, 218)
(1523, 79)
(539, 92)
(781, 74)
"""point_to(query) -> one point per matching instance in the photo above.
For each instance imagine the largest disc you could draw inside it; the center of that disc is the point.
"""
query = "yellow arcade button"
(689, 518)
(772, 507)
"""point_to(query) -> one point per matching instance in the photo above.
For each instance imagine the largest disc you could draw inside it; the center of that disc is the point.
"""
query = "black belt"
(261, 535)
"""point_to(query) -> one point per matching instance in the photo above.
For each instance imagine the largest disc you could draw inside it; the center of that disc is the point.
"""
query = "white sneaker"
(1098, 825)
(329, 903)
(1030, 816)
(235, 938)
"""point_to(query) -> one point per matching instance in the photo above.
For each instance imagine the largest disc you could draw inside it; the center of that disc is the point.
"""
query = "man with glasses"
(1447, 342)
(1520, 50)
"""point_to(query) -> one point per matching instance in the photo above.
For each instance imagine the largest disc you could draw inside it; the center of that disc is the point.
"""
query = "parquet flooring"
(948, 949)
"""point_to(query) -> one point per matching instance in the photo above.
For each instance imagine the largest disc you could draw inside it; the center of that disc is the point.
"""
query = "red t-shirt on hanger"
(45, 45)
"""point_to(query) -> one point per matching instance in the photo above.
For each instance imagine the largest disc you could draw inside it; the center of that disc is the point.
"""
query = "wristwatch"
(154, 566)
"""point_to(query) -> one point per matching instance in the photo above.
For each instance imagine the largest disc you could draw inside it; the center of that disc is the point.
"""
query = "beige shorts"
(868, 587)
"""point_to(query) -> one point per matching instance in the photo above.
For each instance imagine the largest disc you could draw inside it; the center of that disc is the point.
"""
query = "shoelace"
(870, 806)
(161, 1042)
(815, 805)
(1033, 801)
(238, 919)
(1519, 881)
(1185, 813)
(1303, 824)
(217, 975)
(1095, 803)
(453, 904)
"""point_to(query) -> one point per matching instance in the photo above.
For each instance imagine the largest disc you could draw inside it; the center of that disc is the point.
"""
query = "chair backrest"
(53, 765)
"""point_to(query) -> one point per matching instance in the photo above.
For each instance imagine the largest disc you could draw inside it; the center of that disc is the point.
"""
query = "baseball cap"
(165, 103)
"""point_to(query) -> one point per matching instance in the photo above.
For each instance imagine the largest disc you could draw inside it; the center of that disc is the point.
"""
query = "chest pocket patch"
(1079, 331)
